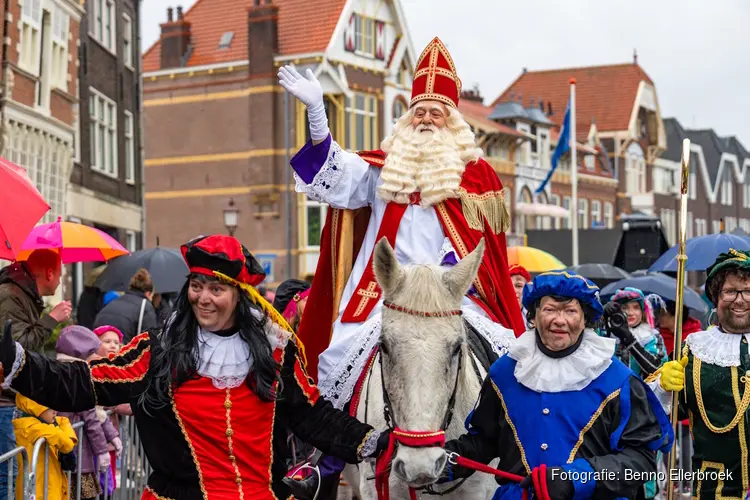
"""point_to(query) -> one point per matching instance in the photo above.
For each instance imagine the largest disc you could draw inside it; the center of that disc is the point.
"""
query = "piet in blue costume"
(560, 399)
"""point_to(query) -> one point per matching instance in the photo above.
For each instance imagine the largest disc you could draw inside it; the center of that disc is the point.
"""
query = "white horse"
(426, 368)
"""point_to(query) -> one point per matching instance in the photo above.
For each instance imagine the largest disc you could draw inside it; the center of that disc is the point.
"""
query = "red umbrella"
(21, 208)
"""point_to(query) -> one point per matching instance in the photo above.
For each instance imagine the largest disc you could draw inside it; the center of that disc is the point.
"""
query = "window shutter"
(349, 35)
(380, 40)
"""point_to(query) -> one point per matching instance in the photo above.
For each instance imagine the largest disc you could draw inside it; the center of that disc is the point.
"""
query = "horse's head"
(422, 349)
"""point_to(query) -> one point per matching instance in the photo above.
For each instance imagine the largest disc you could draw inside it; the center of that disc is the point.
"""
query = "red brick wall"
(24, 89)
(61, 107)
(73, 37)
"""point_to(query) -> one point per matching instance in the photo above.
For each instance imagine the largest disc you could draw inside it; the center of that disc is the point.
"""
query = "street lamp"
(231, 217)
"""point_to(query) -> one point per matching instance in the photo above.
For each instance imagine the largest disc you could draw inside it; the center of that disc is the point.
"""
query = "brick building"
(39, 93)
(617, 114)
(106, 189)
(218, 125)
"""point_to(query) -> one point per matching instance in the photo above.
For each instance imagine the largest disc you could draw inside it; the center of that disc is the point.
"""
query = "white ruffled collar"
(540, 373)
(716, 347)
(643, 333)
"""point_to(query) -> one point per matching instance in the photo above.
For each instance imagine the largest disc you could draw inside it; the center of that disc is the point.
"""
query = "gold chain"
(741, 408)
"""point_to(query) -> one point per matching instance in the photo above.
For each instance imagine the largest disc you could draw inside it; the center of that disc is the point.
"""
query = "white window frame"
(98, 24)
(59, 58)
(127, 41)
(635, 170)
(609, 215)
(30, 36)
(310, 204)
(107, 126)
(583, 213)
(715, 226)
(596, 212)
(131, 242)
(370, 132)
(568, 222)
(364, 33)
(690, 233)
(129, 145)
(693, 186)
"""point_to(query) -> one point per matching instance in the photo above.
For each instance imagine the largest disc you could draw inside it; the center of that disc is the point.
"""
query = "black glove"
(383, 441)
(67, 461)
(616, 322)
(557, 487)
(7, 349)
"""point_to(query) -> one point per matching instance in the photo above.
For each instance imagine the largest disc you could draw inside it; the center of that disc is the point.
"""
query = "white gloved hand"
(104, 461)
(310, 93)
(117, 443)
(307, 90)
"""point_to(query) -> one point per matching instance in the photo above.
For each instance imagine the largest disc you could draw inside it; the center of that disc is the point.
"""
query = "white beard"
(418, 161)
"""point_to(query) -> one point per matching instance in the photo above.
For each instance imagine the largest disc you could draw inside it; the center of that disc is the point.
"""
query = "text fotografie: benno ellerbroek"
(679, 475)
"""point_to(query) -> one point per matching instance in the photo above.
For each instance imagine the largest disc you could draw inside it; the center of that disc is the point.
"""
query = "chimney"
(532, 104)
(635, 57)
(175, 40)
(262, 39)
(472, 95)
(549, 108)
(541, 105)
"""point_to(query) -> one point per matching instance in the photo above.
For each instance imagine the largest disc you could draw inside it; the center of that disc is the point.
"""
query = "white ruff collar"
(540, 373)
(716, 347)
(643, 333)
(226, 360)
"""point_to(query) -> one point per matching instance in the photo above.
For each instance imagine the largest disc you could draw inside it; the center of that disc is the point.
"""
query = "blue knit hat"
(563, 284)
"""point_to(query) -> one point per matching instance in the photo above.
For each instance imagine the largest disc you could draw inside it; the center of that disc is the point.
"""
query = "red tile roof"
(304, 26)
(603, 93)
(479, 113)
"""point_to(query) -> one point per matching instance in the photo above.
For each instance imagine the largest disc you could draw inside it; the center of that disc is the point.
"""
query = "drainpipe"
(139, 96)
(5, 82)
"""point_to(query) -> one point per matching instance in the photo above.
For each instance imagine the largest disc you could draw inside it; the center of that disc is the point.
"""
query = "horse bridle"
(388, 413)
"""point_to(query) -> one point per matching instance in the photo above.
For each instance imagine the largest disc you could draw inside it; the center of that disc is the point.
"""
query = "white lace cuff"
(327, 178)
(370, 445)
(18, 363)
(664, 397)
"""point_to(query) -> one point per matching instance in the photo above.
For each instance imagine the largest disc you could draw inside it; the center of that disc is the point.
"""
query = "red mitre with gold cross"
(435, 78)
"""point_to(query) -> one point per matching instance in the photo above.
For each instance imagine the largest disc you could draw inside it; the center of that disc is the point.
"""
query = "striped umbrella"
(75, 242)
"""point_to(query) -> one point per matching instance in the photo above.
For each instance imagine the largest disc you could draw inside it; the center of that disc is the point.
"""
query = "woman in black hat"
(213, 393)
(291, 297)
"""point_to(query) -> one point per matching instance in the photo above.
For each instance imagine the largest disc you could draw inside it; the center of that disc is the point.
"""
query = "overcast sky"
(697, 52)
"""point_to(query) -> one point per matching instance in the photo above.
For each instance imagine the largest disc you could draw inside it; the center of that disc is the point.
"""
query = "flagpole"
(573, 170)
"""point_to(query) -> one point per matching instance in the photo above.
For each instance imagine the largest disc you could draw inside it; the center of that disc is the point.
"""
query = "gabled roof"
(304, 26)
(604, 94)
(478, 112)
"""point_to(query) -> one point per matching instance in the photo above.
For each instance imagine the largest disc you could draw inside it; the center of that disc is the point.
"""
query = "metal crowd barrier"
(132, 470)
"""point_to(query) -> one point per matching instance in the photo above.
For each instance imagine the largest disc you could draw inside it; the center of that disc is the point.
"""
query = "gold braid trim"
(267, 308)
(489, 206)
(741, 408)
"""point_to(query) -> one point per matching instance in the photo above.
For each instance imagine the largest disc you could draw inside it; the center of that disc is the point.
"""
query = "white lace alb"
(338, 387)
(328, 177)
(716, 347)
(540, 373)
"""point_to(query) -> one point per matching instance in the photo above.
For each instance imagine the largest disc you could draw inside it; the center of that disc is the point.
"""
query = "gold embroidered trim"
(590, 423)
(512, 428)
(705, 464)
(270, 445)
(489, 206)
(156, 495)
(458, 243)
(741, 408)
(364, 441)
(131, 346)
(190, 445)
(432, 97)
(741, 429)
(230, 444)
(125, 367)
(310, 383)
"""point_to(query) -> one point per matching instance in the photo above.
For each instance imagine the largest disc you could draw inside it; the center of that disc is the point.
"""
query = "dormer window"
(226, 39)
(364, 35)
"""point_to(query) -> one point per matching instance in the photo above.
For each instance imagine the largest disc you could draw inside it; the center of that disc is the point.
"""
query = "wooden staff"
(343, 258)
(681, 260)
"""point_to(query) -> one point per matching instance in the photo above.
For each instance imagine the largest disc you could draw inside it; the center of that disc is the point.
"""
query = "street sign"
(266, 261)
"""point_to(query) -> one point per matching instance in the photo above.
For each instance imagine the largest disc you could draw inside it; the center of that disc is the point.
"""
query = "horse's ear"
(459, 278)
(385, 265)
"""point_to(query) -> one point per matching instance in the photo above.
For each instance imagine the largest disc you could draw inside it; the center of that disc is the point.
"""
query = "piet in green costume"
(717, 384)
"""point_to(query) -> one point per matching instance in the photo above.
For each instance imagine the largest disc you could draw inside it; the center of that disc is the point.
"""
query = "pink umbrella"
(21, 208)
(75, 242)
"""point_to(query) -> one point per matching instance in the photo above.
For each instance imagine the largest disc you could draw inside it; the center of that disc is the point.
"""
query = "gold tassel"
(266, 307)
(488, 206)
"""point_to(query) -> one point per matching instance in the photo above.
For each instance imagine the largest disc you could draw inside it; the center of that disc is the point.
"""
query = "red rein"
(414, 439)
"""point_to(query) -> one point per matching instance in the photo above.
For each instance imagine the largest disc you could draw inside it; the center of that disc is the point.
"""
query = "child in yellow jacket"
(36, 422)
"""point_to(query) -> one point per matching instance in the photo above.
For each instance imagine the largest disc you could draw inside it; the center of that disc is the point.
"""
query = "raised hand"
(307, 90)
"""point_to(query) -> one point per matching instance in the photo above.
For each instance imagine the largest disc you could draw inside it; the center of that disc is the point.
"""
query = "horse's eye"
(456, 351)
(383, 348)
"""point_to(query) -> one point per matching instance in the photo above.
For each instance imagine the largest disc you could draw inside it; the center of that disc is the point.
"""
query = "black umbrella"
(166, 266)
(660, 284)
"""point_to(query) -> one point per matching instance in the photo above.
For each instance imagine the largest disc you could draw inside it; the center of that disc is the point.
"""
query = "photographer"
(629, 318)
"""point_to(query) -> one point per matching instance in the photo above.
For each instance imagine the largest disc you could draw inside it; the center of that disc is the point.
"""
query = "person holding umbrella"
(713, 379)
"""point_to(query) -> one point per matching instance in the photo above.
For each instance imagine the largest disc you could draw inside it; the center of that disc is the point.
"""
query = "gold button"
(545, 411)
(238, 480)
(230, 432)
(227, 404)
(232, 458)
(544, 446)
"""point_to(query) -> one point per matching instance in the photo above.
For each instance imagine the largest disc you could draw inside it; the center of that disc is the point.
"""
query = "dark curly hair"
(716, 282)
(588, 312)
(177, 360)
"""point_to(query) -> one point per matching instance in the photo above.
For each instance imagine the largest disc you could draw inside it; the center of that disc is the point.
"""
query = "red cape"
(480, 185)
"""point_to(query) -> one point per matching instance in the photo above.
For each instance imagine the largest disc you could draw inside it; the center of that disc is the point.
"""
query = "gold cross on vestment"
(371, 292)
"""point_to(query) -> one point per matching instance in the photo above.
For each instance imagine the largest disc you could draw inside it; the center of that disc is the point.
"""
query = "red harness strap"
(414, 439)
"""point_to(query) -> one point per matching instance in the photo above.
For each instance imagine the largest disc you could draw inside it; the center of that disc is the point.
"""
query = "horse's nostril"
(399, 468)
(439, 465)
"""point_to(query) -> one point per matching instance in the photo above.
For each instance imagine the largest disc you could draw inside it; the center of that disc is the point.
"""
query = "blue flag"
(563, 146)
